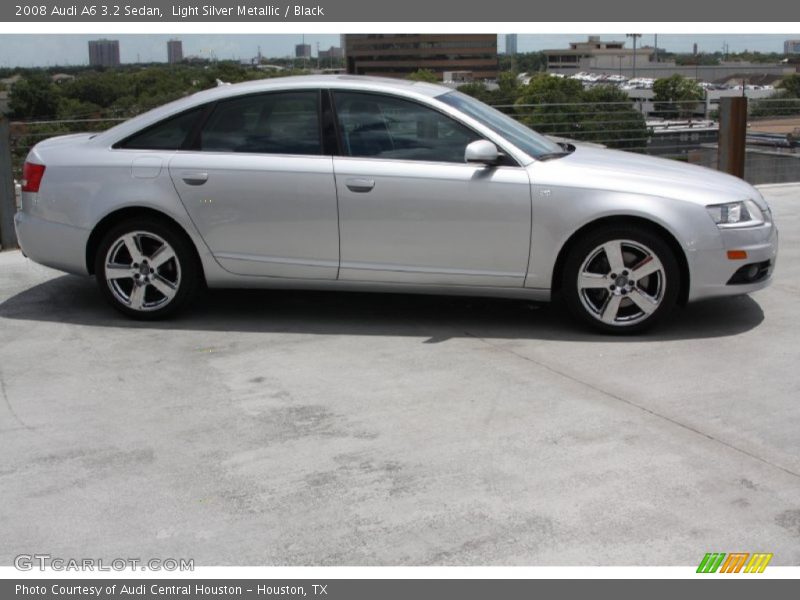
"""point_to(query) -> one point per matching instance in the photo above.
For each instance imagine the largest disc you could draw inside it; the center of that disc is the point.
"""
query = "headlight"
(736, 214)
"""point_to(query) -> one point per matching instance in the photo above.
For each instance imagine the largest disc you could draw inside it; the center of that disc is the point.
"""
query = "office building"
(596, 54)
(791, 47)
(302, 51)
(331, 53)
(398, 55)
(511, 44)
(104, 53)
(174, 51)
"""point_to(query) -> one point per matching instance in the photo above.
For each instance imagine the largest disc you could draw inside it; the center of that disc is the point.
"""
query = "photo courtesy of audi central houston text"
(376, 184)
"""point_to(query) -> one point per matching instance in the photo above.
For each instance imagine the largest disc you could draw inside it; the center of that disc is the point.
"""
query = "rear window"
(168, 134)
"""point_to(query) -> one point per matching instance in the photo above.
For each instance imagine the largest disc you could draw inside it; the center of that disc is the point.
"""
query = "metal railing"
(24, 135)
(668, 129)
(687, 131)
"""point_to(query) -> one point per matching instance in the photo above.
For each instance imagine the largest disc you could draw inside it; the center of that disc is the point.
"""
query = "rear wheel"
(621, 279)
(146, 269)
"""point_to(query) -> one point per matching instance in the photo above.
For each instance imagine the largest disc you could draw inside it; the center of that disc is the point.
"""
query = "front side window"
(377, 126)
(275, 123)
(168, 134)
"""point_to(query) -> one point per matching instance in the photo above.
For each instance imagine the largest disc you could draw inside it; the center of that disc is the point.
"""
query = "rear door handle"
(194, 177)
(359, 184)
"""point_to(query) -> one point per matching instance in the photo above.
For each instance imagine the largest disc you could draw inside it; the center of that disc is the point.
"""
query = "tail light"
(32, 177)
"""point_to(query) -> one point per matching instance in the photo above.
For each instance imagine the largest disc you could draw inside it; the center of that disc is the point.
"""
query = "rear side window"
(168, 134)
(275, 123)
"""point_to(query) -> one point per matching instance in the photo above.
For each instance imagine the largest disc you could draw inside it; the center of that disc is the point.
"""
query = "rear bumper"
(54, 245)
(712, 270)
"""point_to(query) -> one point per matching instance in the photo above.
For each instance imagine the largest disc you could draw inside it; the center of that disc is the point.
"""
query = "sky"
(32, 50)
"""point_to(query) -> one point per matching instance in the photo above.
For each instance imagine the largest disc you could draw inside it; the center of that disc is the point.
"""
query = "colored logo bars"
(734, 563)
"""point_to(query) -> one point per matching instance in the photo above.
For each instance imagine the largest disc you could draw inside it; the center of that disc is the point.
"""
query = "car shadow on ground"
(76, 300)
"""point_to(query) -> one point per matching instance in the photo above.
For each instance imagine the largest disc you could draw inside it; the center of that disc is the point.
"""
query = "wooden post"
(8, 203)
(732, 135)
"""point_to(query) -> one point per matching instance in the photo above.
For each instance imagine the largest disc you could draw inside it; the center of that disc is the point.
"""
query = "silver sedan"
(356, 183)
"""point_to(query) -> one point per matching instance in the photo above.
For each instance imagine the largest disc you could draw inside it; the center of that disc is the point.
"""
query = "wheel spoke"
(164, 286)
(610, 309)
(613, 252)
(131, 242)
(592, 281)
(118, 271)
(647, 267)
(137, 297)
(647, 303)
(161, 256)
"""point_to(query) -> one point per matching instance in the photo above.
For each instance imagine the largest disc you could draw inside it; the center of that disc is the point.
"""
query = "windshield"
(527, 140)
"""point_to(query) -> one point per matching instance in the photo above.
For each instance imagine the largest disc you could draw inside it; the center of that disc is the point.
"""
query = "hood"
(628, 172)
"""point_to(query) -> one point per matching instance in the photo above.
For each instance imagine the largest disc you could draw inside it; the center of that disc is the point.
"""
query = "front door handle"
(194, 177)
(359, 184)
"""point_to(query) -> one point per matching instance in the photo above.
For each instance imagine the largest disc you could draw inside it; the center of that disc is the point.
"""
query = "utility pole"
(635, 37)
(732, 135)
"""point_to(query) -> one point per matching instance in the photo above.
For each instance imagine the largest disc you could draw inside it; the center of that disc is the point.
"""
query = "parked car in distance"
(359, 183)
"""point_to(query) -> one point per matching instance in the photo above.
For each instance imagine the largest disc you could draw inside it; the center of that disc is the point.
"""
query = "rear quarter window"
(169, 134)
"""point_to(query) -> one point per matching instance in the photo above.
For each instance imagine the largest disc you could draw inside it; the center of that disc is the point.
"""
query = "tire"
(146, 268)
(621, 279)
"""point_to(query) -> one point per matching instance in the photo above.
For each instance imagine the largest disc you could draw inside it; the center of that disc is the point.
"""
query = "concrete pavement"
(293, 428)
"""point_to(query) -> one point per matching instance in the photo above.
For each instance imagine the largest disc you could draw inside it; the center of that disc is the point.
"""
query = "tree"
(791, 85)
(507, 89)
(676, 96)
(477, 89)
(612, 119)
(550, 105)
(34, 96)
(561, 107)
(505, 94)
(423, 75)
(70, 108)
(785, 102)
(527, 62)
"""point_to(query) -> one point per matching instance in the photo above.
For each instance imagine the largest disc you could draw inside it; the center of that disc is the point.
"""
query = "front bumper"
(713, 273)
(54, 245)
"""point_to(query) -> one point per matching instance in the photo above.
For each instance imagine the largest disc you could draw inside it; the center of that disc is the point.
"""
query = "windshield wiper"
(551, 155)
(568, 149)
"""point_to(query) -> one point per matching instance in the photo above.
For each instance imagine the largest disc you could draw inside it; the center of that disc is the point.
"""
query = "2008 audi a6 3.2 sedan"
(344, 182)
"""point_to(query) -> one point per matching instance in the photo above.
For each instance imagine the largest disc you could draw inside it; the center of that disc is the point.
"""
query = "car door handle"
(194, 177)
(359, 184)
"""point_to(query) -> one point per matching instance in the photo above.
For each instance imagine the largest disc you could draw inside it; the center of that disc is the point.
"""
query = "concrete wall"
(702, 73)
(761, 166)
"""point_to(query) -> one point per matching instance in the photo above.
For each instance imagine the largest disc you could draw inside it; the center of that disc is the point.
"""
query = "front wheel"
(146, 269)
(621, 279)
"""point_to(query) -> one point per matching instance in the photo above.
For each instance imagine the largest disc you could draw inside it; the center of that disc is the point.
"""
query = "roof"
(328, 81)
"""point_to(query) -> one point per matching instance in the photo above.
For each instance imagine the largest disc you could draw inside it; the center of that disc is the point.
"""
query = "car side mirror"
(482, 151)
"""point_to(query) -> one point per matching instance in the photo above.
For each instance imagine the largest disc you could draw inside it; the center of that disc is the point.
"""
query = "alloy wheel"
(142, 271)
(621, 282)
